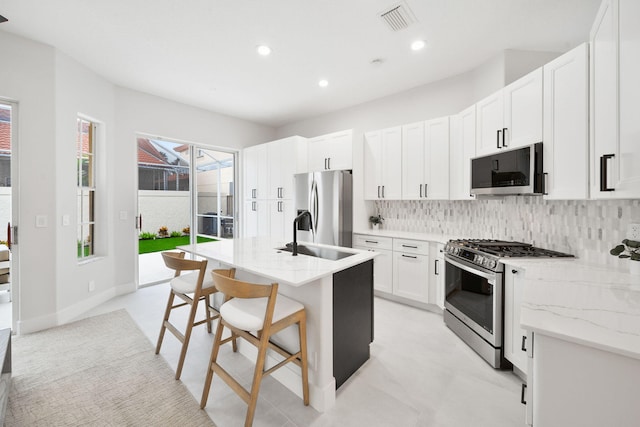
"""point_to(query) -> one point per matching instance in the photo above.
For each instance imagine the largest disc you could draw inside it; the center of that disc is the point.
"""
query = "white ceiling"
(202, 52)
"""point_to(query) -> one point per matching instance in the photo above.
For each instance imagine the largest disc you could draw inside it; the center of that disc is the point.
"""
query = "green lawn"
(166, 244)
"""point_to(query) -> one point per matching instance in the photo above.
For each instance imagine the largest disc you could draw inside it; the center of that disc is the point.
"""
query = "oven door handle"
(491, 277)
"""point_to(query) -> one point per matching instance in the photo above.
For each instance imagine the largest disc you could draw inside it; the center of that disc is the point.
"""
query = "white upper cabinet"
(436, 133)
(383, 164)
(413, 161)
(285, 158)
(461, 149)
(511, 117)
(425, 160)
(615, 96)
(256, 170)
(566, 125)
(333, 151)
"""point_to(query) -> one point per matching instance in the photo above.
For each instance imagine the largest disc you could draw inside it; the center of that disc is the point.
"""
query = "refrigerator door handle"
(315, 208)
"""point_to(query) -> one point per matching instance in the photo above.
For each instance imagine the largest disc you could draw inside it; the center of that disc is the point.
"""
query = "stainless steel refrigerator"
(328, 196)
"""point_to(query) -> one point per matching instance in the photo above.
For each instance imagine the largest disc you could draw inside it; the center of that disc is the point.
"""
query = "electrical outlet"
(92, 285)
(633, 232)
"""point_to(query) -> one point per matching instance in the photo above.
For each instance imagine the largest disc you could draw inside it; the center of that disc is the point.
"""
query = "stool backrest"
(176, 261)
(234, 288)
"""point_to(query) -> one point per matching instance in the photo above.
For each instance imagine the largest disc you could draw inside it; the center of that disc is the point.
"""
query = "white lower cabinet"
(411, 269)
(515, 337)
(403, 269)
(383, 263)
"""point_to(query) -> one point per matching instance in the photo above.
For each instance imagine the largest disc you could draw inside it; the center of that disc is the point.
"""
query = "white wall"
(27, 76)
(51, 90)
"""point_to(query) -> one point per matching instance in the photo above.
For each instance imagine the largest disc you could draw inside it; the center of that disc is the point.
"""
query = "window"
(85, 161)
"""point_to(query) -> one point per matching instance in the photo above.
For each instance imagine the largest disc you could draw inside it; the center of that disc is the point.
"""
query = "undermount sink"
(324, 253)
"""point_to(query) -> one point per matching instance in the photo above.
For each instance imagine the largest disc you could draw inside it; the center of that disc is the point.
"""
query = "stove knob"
(493, 263)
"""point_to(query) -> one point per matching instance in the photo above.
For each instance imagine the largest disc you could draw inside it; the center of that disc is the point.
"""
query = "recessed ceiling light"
(263, 50)
(323, 83)
(417, 45)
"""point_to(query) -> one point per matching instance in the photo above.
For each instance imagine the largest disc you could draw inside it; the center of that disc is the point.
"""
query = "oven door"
(474, 295)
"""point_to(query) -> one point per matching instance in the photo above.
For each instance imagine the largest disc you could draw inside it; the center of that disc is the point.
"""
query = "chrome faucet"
(295, 230)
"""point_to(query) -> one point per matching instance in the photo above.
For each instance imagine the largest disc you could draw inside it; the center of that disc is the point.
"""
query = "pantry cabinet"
(511, 117)
(615, 96)
(256, 169)
(566, 125)
(333, 151)
(383, 164)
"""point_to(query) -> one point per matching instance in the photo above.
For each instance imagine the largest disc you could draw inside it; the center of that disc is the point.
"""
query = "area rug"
(100, 371)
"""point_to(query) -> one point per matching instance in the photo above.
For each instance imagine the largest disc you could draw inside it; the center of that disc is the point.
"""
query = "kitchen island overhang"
(338, 297)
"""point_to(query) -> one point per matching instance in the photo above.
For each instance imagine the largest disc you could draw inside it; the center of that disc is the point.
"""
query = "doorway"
(8, 212)
(185, 195)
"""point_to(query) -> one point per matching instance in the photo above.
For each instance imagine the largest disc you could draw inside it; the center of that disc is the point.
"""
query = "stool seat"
(248, 314)
(187, 283)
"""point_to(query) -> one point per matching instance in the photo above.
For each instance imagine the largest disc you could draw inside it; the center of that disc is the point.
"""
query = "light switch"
(66, 220)
(41, 221)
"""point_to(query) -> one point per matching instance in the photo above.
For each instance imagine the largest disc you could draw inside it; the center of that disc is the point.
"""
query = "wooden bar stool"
(200, 285)
(255, 313)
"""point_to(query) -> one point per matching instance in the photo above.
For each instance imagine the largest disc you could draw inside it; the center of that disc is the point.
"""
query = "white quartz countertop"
(588, 304)
(259, 255)
(429, 237)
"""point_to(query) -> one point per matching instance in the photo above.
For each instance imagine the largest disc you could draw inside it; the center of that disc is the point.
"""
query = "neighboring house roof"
(181, 148)
(149, 155)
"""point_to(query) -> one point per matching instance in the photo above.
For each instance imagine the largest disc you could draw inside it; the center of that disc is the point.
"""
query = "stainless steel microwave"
(515, 171)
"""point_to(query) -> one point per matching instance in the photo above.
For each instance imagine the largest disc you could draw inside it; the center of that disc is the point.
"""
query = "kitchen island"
(337, 295)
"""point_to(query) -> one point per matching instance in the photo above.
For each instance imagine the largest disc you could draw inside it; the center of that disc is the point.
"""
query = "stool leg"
(207, 302)
(257, 379)
(187, 334)
(302, 327)
(164, 320)
(213, 359)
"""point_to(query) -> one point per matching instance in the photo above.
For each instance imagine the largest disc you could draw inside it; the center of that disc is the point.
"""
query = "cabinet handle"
(425, 190)
(409, 256)
(372, 241)
(523, 345)
(522, 392)
(514, 271)
(498, 139)
(435, 267)
(329, 163)
(253, 206)
(383, 191)
(603, 172)
(378, 191)
(409, 246)
(545, 179)
(420, 190)
(253, 193)
(504, 137)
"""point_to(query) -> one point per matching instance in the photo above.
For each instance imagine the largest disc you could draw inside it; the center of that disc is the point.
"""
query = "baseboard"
(406, 301)
(72, 312)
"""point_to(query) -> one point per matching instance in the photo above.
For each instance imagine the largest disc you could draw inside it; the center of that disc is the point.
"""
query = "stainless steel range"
(474, 287)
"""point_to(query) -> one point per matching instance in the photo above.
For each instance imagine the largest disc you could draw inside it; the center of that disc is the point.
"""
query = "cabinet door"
(437, 162)
(282, 159)
(523, 111)
(281, 220)
(255, 172)
(489, 124)
(317, 154)
(514, 335)
(566, 125)
(256, 218)
(340, 150)
(463, 148)
(411, 276)
(413, 167)
(604, 98)
(382, 269)
(372, 165)
(391, 163)
(628, 183)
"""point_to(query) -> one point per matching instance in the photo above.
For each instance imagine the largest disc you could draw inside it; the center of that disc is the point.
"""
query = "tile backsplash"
(587, 229)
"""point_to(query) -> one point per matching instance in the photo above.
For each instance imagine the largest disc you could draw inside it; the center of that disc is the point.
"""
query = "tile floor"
(420, 374)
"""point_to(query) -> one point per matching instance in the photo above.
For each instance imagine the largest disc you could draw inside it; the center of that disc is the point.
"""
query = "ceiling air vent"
(398, 16)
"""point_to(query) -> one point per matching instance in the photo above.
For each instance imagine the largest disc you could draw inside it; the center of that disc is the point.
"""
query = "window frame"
(86, 190)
